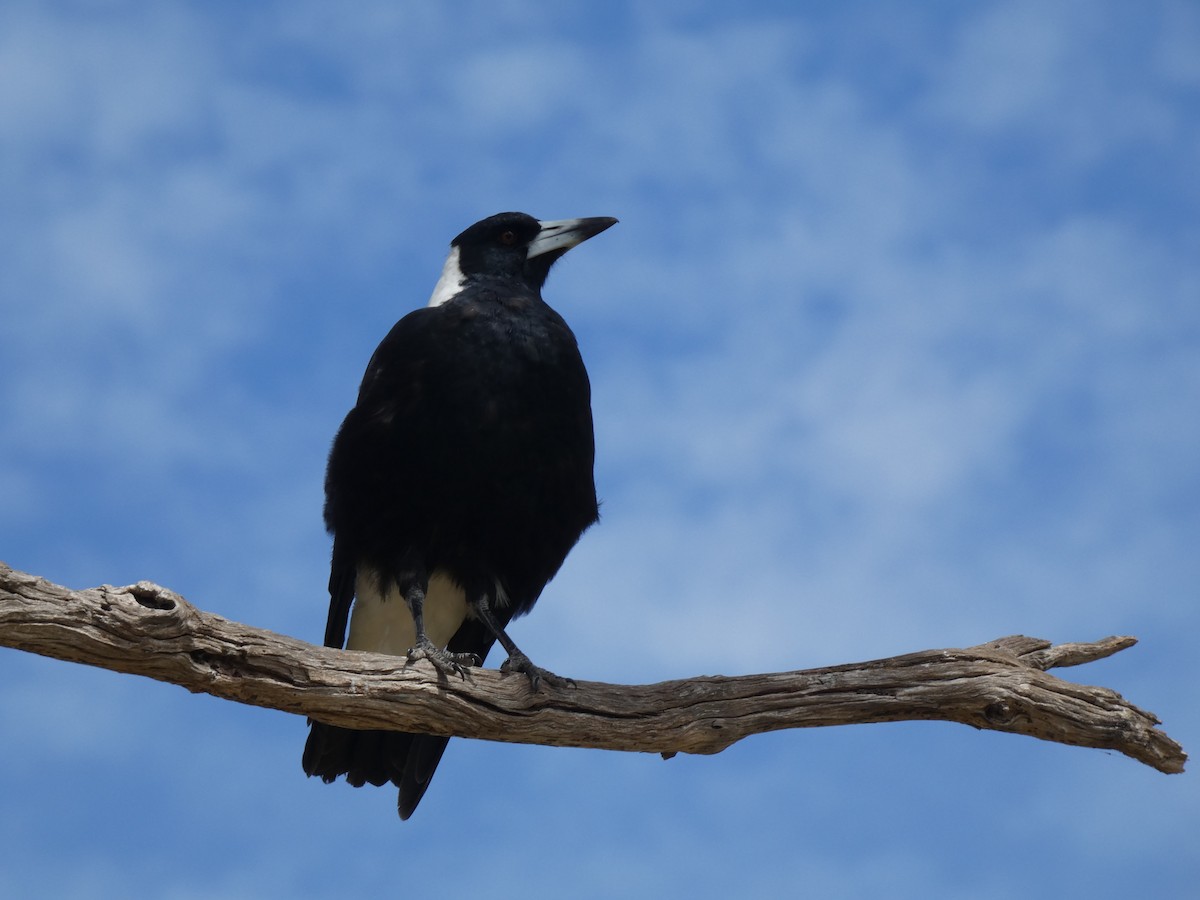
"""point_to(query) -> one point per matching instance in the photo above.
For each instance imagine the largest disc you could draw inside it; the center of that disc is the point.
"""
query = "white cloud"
(96, 81)
(1053, 72)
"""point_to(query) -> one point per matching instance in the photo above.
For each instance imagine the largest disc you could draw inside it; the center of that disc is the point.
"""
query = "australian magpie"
(459, 481)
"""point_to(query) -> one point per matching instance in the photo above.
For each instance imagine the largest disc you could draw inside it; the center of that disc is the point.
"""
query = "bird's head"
(512, 245)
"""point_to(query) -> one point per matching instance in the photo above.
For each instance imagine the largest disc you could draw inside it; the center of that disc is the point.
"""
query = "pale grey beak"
(563, 234)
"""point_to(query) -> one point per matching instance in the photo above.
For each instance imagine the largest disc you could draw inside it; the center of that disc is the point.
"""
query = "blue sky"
(897, 346)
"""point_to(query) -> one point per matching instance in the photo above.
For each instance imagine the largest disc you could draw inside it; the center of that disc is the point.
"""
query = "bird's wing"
(342, 573)
(402, 356)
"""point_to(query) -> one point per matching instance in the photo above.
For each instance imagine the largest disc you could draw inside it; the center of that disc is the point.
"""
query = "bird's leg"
(444, 661)
(517, 661)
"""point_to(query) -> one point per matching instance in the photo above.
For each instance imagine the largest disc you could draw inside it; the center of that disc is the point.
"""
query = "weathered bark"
(1003, 685)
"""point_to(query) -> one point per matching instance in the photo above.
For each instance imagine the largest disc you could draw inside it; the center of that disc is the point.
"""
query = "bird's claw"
(444, 661)
(519, 662)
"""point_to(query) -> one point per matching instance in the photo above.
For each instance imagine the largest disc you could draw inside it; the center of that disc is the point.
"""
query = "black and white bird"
(459, 481)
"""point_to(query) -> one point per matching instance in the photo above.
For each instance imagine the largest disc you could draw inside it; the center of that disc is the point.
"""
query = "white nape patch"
(383, 623)
(451, 281)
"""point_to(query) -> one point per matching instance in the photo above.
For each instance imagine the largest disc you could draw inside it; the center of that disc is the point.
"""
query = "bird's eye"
(508, 238)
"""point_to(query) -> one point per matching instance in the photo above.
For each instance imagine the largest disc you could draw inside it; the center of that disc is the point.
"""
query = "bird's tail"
(374, 757)
(364, 757)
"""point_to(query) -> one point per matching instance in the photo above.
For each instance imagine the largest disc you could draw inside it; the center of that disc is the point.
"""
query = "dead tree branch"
(1003, 685)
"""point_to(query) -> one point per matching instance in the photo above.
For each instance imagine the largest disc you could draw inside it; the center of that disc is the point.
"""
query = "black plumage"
(459, 482)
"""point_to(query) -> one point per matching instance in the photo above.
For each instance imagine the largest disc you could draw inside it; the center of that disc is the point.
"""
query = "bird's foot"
(519, 662)
(444, 661)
